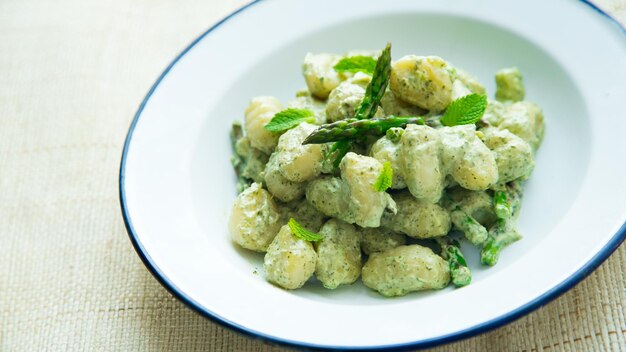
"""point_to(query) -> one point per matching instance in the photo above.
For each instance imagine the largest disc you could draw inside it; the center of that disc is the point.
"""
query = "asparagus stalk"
(503, 233)
(334, 155)
(239, 163)
(451, 251)
(371, 100)
(473, 230)
(376, 88)
(351, 129)
(501, 205)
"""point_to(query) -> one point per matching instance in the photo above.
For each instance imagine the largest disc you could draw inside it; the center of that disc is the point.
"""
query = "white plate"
(177, 186)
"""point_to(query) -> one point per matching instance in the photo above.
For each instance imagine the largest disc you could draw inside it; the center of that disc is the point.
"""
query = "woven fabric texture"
(72, 73)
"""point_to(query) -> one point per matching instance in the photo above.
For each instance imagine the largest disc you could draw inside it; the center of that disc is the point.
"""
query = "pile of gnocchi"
(449, 183)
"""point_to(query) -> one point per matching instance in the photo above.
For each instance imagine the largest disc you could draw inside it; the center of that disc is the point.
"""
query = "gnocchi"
(289, 261)
(338, 254)
(384, 196)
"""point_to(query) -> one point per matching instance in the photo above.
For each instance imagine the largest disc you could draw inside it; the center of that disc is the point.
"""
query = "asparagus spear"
(366, 110)
(501, 205)
(376, 88)
(451, 251)
(334, 155)
(239, 163)
(354, 128)
(503, 233)
(473, 230)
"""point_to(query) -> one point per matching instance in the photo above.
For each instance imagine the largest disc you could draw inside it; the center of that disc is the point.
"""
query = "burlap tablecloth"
(72, 73)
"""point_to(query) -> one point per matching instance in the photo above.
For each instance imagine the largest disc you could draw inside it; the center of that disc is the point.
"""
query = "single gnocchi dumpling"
(424, 81)
(366, 204)
(329, 195)
(258, 113)
(525, 120)
(338, 254)
(418, 219)
(319, 74)
(254, 219)
(478, 169)
(509, 84)
(384, 150)
(297, 162)
(278, 185)
(380, 239)
(405, 269)
(514, 156)
(422, 171)
(289, 261)
(343, 101)
(467, 159)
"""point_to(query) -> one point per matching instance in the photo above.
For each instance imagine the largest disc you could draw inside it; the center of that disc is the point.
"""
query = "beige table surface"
(72, 73)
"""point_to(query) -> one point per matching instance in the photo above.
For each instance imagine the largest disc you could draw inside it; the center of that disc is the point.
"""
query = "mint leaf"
(355, 64)
(465, 110)
(377, 86)
(288, 119)
(303, 233)
(385, 178)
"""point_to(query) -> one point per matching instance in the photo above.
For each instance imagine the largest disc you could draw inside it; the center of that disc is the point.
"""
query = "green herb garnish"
(354, 64)
(465, 110)
(303, 233)
(385, 178)
(288, 119)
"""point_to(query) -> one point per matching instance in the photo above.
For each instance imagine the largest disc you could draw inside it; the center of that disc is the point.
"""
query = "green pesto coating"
(380, 239)
(404, 269)
(338, 254)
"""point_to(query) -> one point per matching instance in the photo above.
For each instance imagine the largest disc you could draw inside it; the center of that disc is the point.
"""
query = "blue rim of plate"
(504, 319)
